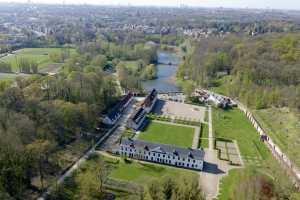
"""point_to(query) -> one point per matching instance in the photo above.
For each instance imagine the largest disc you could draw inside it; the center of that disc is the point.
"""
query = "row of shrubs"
(176, 120)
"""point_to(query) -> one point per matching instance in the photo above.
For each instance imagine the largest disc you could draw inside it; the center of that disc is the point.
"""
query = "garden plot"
(228, 151)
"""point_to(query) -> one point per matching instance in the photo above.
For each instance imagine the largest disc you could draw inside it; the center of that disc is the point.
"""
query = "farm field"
(38, 55)
(284, 128)
(168, 134)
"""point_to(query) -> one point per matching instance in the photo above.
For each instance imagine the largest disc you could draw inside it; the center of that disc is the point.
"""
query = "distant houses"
(162, 153)
(205, 96)
(115, 113)
(137, 119)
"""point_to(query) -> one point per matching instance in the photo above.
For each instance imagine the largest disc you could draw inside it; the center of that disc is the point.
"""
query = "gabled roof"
(138, 115)
(149, 98)
(164, 148)
(119, 106)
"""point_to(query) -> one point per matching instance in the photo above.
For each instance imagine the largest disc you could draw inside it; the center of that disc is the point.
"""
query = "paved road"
(111, 135)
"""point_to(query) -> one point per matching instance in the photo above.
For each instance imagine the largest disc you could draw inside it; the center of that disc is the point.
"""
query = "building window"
(163, 155)
(182, 159)
(189, 160)
(158, 155)
(194, 161)
(169, 157)
(187, 165)
(173, 157)
(157, 159)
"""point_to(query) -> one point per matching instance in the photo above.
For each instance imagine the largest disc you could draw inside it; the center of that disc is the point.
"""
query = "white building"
(162, 153)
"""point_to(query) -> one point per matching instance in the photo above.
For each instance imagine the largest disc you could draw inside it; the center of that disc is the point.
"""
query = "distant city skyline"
(263, 4)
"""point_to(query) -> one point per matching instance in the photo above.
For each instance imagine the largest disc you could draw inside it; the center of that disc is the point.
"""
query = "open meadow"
(283, 126)
(41, 56)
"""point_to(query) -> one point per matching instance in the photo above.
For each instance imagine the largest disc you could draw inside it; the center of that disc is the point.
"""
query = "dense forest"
(42, 115)
(261, 71)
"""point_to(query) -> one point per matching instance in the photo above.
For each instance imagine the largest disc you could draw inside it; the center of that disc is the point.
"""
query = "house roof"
(138, 115)
(164, 148)
(119, 106)
(149, 98)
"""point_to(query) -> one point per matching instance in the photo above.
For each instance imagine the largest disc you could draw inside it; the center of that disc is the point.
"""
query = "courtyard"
(180, 110)
(168, 133)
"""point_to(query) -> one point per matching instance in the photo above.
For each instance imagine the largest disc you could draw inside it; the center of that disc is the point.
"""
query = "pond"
(166, 72)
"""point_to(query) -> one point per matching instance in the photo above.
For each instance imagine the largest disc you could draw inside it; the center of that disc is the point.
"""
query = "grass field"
(284, 128)
(139, 172)
(38, 55)
(124, 176)
(204, 136)
(233, 124)
(168, 134)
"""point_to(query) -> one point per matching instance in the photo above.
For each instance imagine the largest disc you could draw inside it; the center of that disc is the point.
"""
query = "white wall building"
(162, 153)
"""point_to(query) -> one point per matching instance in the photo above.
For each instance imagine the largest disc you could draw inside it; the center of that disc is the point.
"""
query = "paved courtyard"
(182, 110)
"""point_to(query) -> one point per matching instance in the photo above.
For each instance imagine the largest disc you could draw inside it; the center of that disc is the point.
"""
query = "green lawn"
(39, 55)
(168, 134)
(283, 127)
(204, 136)
(233, 124)
(141, 172)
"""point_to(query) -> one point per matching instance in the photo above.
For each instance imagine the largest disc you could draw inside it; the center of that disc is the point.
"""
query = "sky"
(274, 4)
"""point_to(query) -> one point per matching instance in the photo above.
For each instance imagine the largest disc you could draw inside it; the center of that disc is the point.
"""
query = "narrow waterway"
(166, 72)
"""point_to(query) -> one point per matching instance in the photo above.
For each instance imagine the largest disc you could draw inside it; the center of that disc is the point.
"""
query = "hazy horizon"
(256, 4)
